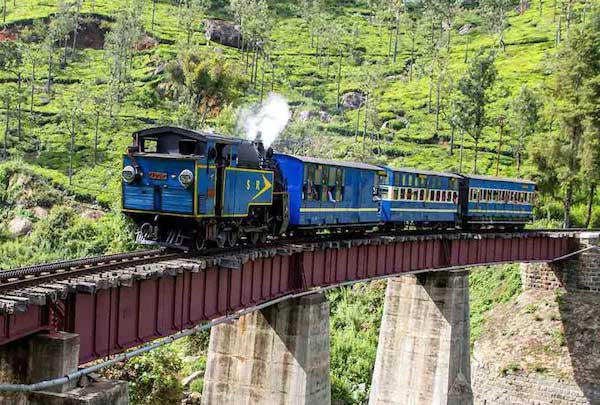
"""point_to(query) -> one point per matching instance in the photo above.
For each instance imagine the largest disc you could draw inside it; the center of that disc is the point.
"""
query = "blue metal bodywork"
(440, 203)
(245, 188)
(356, 207)
(158, 190)
(480, 210)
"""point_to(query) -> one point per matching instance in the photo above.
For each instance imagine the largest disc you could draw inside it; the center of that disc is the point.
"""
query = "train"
(185, 188)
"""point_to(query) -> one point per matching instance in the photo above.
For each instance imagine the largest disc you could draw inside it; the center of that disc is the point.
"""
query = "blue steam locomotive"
(185, 188)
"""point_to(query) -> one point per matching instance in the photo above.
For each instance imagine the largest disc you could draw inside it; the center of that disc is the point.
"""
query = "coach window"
(402, 193)
(396, 180)
(421, 195)
(415, 194)
(310, 190)
(339, 184)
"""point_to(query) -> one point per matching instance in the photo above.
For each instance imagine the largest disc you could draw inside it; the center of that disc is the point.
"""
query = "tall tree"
(120, 47)
(573, 95)
(524, 117)
(473, 96)
(190, 16)
(11, 60)
(495, 14)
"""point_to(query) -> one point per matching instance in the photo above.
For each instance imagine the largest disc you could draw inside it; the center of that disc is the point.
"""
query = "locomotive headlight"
(128, 174)
(186, 178)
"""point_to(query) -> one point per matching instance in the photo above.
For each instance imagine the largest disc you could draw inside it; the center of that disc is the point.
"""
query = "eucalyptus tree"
(495, 14)
(524, 117)
(120, 47)
(189, 16)
(11, 61)
(472, 98)
(567, 155)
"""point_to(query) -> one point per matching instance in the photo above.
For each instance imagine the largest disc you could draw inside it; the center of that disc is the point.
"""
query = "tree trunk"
(590, 205)
(475, 157)
(72, 147)
(540, 7)
(412, 57)
(7, 123)
(462, 142)
(452, 140)
(19, 81)
(396, 35)
(389, 41)
(96, 137)
(49, 81)
(32, 87)
(153, 15)
(262, 82)
(437, 104)
(366, 115)
(272, 76)
(430, 96)
(567, 205)
(4, 12)
(339, 81)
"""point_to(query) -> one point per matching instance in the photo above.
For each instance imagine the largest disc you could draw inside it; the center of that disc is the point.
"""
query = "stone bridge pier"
(52, 355)
(278, 355)
(423, 355)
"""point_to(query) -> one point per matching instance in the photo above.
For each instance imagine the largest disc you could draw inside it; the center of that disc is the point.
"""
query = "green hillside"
(84, 90)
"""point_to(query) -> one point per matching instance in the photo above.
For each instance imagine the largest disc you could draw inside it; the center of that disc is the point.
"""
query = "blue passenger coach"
(420, 197)
(327, 192)
(491, 201)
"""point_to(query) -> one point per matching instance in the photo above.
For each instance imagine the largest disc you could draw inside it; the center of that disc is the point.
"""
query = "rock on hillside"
(541, 348)
(223, 32)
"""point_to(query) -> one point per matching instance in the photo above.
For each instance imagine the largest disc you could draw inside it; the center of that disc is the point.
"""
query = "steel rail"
(62, 270)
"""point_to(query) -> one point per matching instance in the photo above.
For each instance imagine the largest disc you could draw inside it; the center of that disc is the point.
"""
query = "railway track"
(24, 277)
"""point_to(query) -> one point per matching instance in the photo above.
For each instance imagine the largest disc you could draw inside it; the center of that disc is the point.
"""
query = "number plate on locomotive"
(157, 175)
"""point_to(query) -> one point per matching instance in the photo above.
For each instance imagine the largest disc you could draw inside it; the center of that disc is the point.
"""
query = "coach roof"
(342, 163)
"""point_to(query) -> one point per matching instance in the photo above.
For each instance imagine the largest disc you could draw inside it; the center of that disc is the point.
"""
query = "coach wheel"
(232, 238)
(221, 239)
(199, 243)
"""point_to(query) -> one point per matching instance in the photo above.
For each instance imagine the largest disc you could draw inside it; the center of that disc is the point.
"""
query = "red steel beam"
(115, 319)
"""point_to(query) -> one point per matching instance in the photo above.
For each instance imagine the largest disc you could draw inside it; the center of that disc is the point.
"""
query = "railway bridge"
(270, 342)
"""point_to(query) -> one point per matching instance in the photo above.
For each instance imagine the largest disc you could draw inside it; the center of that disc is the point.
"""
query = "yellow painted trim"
(243, 169)
(339, 209)
(502, 211)
(159, 213)
(424, 209)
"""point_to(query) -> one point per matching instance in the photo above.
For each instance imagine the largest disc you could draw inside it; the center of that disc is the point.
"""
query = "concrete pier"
(278, 355)
(52, 355)
(423, 354)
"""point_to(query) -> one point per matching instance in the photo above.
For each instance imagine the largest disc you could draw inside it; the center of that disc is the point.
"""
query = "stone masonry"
(580, 272)
(423, 350)
(52, 355)
(278, 355)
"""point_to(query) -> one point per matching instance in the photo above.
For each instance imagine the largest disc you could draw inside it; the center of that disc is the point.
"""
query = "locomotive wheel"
(232, 238)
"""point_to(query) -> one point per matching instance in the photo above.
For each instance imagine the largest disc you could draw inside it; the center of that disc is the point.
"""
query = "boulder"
(20, 226)
(191, 398)
(92, 214)
(39, 212)
(305, 115)
(223, 32)
(465, 29)
(352, 100)
(324, 116)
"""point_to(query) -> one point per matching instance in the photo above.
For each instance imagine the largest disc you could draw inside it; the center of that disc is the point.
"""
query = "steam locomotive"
(185, 188)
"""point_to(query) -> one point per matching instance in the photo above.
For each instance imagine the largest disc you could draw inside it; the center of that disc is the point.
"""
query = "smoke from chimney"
(266, 121)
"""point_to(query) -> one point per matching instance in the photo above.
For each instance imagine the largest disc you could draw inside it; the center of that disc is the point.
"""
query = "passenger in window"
(329, 194)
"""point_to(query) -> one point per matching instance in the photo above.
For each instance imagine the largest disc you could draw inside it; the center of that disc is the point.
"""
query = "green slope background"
(36, 173)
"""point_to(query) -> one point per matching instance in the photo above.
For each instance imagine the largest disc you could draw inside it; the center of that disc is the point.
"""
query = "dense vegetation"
(436, 84)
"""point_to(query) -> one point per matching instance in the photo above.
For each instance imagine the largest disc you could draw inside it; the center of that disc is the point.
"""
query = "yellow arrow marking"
(264, 189)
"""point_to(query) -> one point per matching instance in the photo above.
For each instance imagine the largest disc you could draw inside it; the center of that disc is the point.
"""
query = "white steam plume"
(267, 120)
